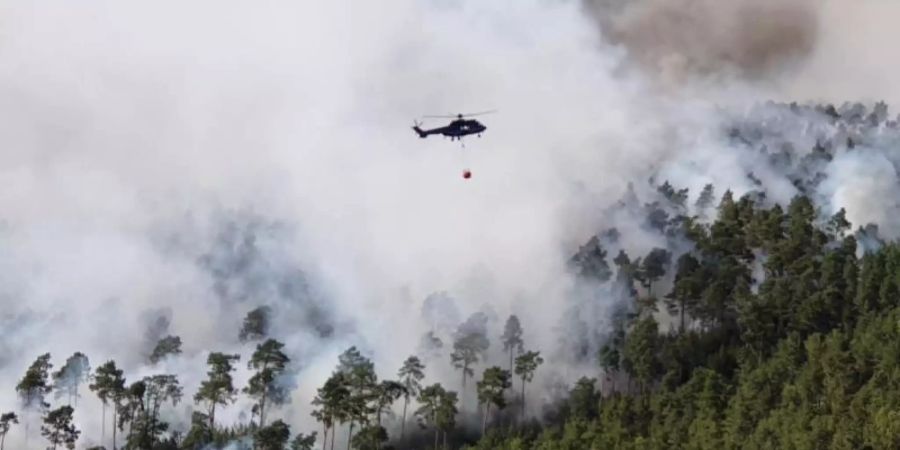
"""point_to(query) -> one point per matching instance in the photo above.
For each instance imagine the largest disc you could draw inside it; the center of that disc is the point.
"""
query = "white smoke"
(132, 135)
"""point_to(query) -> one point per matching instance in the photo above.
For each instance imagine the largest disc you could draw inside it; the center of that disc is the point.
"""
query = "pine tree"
(706, 198)
(583, 399)
(167, 346)
(304, 441)
(512, 338)
(199, 435)
(654, 267)
(109, 385)
(218, 388)
(590, 262)
(641, 349)
(272, 437)
(361, 381)
(657, 217)
(157, 390)
(256, 325)
(838, 225)
(610, 359)
(676, 198)
(469, 345)
(131, 409)
(494, 382)
(430, 400)
(330, 400)
(445, 416)
(69, 377)
(34, 387)
(386, 393)
(58, 427)
(370, 437)
(687, 289)
(627, 273)
(6, 421)
(526, 364)
(410, 375)
(430, 345)
(269, 362)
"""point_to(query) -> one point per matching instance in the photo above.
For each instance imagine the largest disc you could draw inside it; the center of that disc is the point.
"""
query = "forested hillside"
(755, 325)
(801, 354)
(780, 327)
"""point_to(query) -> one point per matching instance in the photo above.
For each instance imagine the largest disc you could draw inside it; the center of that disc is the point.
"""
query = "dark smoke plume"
(750, 39)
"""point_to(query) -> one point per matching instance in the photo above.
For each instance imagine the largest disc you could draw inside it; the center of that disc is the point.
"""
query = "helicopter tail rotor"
(419, 131)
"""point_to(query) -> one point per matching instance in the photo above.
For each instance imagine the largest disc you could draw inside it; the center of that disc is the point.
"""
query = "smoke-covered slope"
(169, 167)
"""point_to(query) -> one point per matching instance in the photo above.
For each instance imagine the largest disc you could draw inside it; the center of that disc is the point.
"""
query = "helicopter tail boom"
(422, 133)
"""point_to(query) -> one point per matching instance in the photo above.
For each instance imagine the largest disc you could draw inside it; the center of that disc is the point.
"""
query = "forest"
(352, 399)
(758, 325)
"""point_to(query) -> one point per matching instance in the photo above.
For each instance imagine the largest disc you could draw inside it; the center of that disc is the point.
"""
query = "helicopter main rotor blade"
(454, 116)
(480, 113)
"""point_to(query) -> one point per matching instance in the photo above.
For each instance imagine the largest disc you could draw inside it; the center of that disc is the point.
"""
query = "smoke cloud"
(170, 166)
(743, 38)
(795, 50)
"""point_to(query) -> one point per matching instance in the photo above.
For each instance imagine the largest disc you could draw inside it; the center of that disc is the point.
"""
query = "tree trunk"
(2, 440)
(403, 423)
(510, 360)
(131, 429)
(262, 400)
(325, 433)
(212, 417)
(682, 317)
(484, 419)
(333, 433)
(436, 429)
(154, 414)
(523, 399)
(115, 409)
(350, 435)
(262, 411)
(462, 394)
(103, 423)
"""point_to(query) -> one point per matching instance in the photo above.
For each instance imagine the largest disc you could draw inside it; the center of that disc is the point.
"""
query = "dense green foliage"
(803, 357)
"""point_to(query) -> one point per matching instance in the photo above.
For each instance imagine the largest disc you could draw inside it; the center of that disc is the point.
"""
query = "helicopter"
(457, 129)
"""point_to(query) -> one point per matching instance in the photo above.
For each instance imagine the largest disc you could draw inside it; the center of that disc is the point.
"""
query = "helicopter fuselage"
(455, 130)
